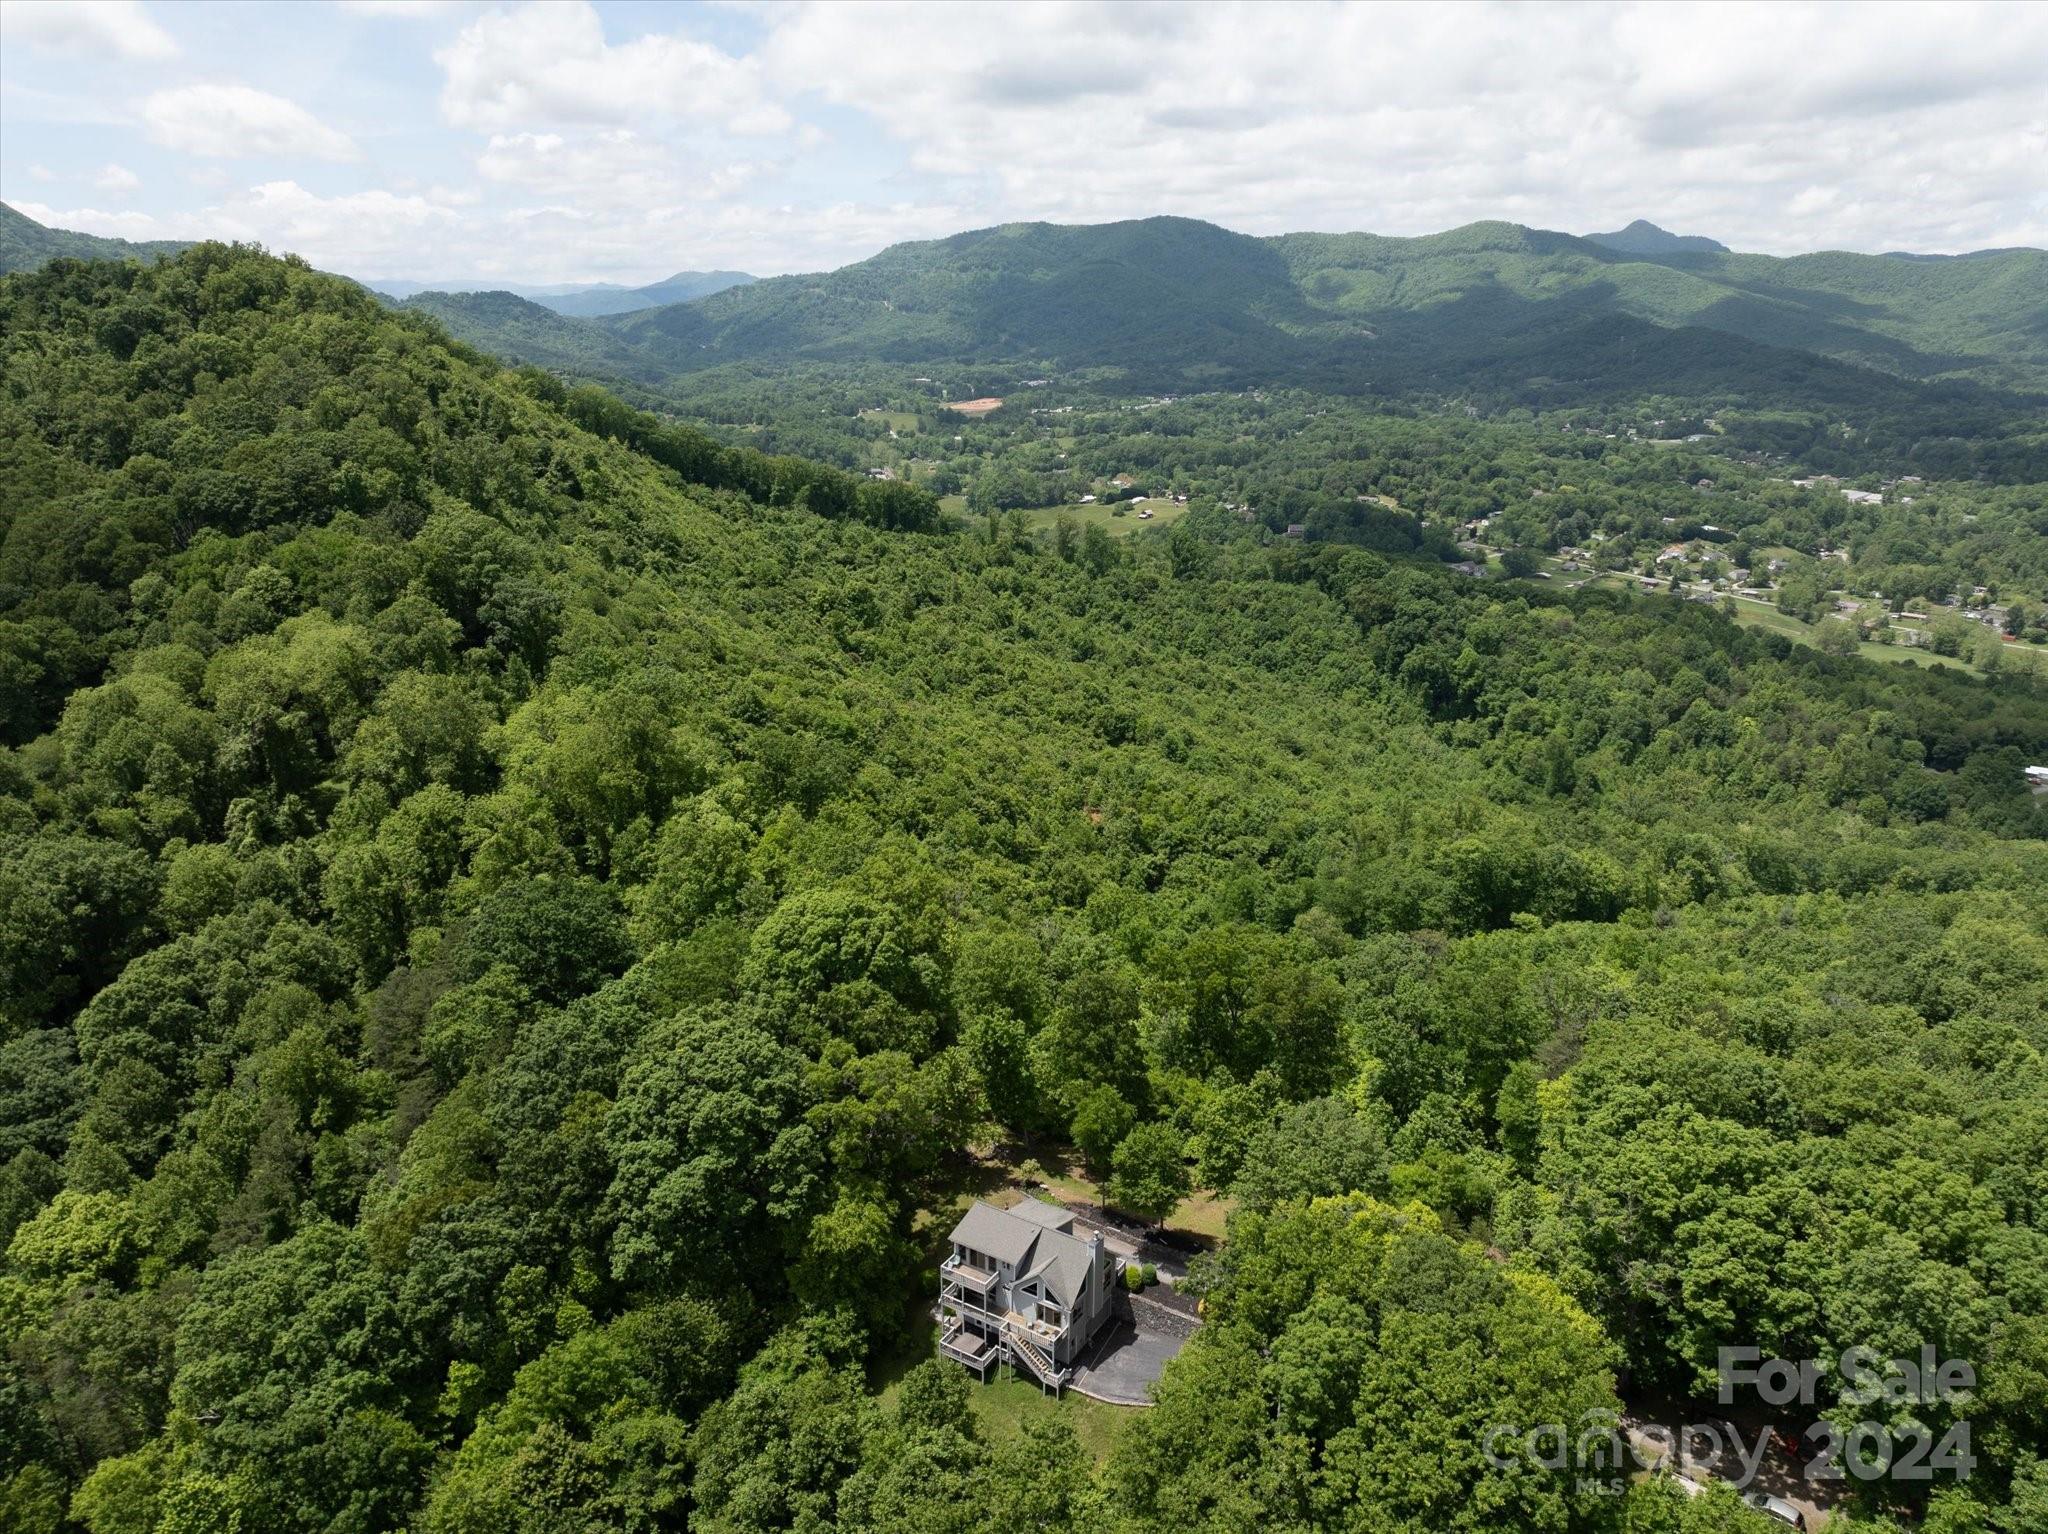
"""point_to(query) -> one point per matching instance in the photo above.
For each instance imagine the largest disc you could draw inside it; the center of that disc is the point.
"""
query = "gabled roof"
(988, 1230)
(1034, 1240)
(1061, 1267)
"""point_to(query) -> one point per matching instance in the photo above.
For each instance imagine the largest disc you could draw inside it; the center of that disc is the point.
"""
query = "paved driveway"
(1128, 1363)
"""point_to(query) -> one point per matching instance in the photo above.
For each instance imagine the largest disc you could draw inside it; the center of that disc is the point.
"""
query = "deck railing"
(967, 1275)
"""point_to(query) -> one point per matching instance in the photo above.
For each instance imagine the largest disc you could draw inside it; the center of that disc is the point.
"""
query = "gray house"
(1021, 1288)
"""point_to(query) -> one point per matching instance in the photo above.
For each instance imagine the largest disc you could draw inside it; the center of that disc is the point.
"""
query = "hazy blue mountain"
(581, 299)
(407, 287)
(604, 298)
(1643, 238)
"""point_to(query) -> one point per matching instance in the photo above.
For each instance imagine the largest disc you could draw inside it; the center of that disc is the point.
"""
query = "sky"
(567, 142)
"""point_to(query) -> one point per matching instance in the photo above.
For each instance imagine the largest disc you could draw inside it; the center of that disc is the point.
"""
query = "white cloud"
(371, 232)
(117, 178)
(546, 65)
(120, 28)
(127, 226)
(561, 153)
(612, 169)
(563, 242)
(1412, 118)
(229, 121)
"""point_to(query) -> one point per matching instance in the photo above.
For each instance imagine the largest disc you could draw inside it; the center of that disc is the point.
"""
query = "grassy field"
(896, 420)
(1164, 514)
(1006, 1404)
(1042, 519)
(1753, 614)
(1907, 655)
(1761, 615)
(1203, 1213)
(1005, 1407)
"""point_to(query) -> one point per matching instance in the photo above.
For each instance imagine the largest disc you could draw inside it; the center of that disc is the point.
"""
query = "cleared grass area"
(1909, 655)
(1761, 615)
(1015, 1168)
(1164, 514)
(1005, 1407)
(896, 420)
(1203, 1213)
(1751, 613)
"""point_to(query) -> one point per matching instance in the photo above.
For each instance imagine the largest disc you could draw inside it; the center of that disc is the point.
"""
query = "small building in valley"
(1021, 1288)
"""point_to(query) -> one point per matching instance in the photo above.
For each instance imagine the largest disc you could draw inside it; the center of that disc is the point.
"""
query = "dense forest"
(518, 919)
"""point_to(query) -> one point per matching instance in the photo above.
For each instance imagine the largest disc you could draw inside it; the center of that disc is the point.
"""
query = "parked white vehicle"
(1776, 1507)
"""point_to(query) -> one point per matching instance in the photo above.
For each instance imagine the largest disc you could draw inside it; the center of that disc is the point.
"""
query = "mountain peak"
(1643, 238)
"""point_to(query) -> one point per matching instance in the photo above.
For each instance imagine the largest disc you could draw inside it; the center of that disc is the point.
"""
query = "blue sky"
(567, 141)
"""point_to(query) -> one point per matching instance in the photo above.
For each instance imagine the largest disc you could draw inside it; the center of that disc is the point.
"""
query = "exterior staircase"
(1032, 1356)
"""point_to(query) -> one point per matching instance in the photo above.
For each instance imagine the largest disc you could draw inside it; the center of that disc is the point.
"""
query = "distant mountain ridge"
(679, 289)
(585, 300)
(1178, 304)
(1643, 238)
(26, 244)
(1172, 303)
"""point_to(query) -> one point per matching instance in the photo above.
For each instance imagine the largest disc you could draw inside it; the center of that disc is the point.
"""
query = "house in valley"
(1021, 1287)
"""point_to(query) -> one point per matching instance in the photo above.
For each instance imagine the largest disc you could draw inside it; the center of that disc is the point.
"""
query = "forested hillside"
(514, 915)
(1169, 303)
(525, 330)
(26, 244)
(1985, 318)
